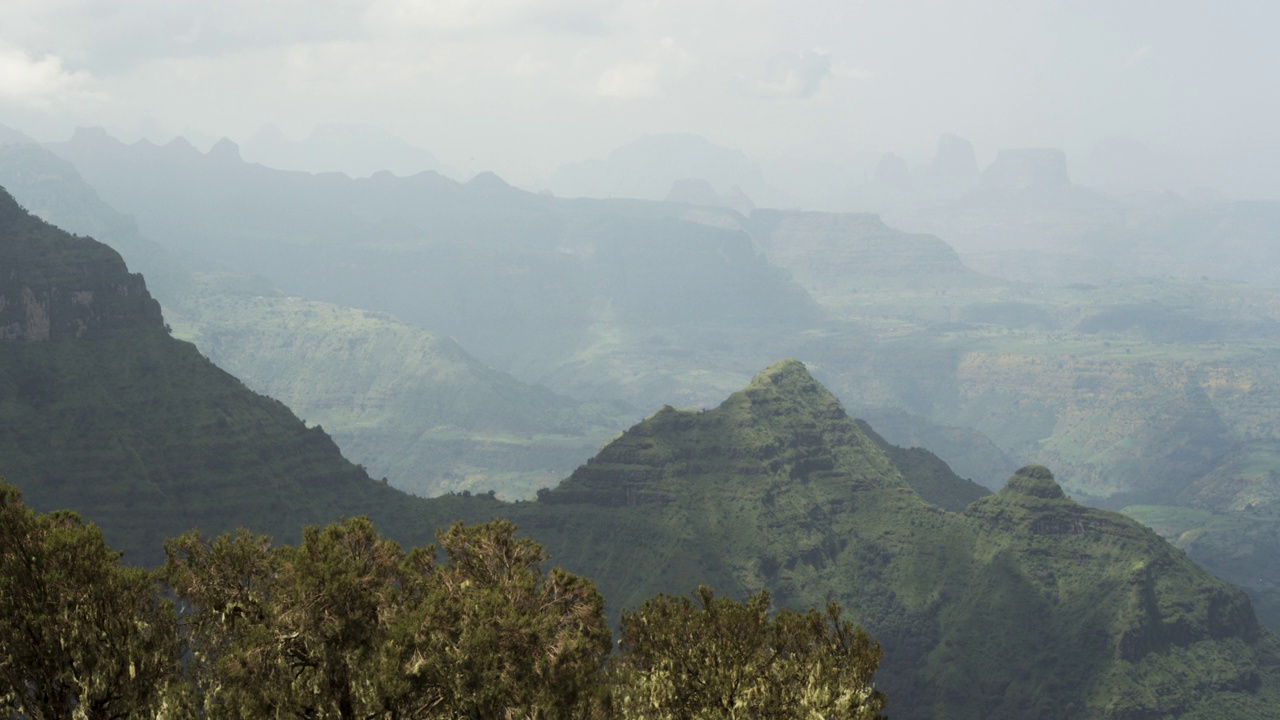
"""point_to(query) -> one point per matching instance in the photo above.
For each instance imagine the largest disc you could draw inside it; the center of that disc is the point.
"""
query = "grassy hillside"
(408, 405)
(775, 487)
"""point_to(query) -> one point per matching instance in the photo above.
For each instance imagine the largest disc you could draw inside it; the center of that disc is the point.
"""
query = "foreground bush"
(723, 659)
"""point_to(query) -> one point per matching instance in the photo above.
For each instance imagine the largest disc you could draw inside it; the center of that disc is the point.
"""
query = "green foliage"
(1242, 548)
(928, 475)
(300, 632)
(348, 625)
(80, 636)
(504, 639)
(722, 659)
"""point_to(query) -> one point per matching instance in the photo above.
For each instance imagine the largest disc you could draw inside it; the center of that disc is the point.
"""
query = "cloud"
(649, 71)
(527, 66)
(846, 69)
(795, 75)
(116, 36)
(460, 16)
(630, 81)
(1138, 56)
(38, 82)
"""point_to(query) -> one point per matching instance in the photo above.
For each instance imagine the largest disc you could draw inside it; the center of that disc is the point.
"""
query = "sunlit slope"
(408, 405)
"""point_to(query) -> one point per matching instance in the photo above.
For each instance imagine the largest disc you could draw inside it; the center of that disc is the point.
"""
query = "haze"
(522, 87)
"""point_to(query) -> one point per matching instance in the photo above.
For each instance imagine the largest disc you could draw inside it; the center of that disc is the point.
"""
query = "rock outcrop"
(68, 287)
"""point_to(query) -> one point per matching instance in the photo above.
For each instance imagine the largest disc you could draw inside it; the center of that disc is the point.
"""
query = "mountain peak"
(783, 394)
(488, 181)
(225, 150)
(1036, 481)
(784, 427)
(96, 135)
(787, 370)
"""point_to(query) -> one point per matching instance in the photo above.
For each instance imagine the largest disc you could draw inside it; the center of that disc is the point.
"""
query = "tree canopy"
(716, 658)
(80, 635)
(349, 625)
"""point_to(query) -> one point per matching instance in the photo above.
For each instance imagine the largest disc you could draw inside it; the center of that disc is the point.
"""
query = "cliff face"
(68, 287)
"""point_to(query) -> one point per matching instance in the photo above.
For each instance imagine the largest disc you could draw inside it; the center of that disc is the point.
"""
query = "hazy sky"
(522, 86)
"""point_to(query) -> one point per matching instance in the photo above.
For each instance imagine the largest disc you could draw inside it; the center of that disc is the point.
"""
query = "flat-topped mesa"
(1024, 169)
(55, 285)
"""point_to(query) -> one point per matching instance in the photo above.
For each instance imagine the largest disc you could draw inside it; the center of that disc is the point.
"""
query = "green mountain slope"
(408, 405)
(102, 412)
(1026, 605)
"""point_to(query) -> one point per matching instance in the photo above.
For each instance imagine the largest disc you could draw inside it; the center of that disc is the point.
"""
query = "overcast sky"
(522, 86)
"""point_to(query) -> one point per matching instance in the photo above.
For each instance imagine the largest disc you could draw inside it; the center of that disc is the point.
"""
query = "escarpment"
(54, 285)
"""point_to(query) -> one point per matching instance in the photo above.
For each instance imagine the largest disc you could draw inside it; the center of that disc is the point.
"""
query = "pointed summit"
(788, 377)
(783, 370)
(788, 385)
(488, 182)
(783, 433)
(1035, 481)
(1033, 502)
(782, 425)
(225, 150)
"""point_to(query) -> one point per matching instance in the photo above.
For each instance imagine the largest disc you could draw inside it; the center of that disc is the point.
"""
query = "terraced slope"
(1026, 605)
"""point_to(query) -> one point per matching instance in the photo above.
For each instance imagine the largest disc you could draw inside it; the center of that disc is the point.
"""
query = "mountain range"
(1014, 604)
(1150, 393)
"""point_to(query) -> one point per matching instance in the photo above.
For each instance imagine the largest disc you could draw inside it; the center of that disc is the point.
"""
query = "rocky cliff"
(54, 285)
